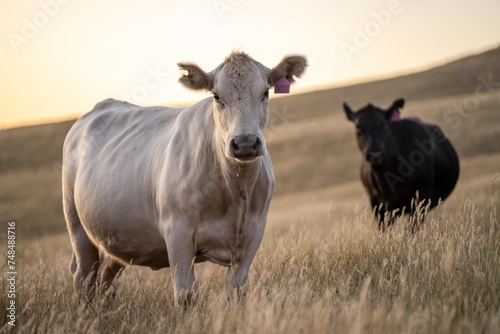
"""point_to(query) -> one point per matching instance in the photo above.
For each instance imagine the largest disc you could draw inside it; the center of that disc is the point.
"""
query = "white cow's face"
(240, 88)
(241, 108)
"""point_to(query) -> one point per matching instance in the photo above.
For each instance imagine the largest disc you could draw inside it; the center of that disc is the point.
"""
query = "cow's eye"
(216, 97)
(266, 93)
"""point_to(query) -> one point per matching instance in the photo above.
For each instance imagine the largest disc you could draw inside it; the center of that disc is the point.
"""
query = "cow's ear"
(398, 104)
(195, 78)
(348, 112)
(290, 66)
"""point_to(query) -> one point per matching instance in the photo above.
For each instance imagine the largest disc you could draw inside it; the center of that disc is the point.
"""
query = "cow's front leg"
(236, 279)
(181, 253)
(237, 274)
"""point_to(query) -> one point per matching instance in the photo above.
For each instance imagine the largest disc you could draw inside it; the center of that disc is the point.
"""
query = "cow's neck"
(387, 173)
(239, 178)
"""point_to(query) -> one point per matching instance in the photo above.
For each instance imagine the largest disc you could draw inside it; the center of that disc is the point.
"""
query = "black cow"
(403, 160)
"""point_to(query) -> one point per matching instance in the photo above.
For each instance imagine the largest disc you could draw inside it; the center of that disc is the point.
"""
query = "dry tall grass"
(323, 266)
(347, 279)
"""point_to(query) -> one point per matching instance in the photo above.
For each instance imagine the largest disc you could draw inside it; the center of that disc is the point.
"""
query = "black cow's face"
(372, 129)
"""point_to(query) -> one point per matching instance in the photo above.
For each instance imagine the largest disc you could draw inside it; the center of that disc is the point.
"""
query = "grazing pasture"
(323, 265)
(348, 279)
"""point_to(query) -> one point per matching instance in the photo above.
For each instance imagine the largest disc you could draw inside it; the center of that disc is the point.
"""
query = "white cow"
(168, 187)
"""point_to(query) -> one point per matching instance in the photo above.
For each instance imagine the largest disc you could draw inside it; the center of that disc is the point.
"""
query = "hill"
(311, 144)
(445, 95)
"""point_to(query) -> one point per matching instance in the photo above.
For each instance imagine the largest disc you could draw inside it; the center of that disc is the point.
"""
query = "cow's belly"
(137, 246)
(221, 256)
(124, 230)
(221, 241)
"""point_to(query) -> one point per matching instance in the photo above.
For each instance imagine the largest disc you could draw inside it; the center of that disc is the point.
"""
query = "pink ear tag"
(282, 86)
(396, 115)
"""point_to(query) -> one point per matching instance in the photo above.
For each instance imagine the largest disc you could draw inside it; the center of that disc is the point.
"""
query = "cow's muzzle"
(246, 147)
(375, 158)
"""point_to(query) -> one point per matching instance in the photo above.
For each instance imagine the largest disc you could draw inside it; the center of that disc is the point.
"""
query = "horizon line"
(298, 90)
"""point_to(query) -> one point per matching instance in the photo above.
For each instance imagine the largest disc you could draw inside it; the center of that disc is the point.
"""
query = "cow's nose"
(246, 147)
(375, 158)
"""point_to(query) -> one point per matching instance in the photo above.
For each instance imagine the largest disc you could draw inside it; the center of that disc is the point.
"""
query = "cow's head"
(372, 129)
(240, 88)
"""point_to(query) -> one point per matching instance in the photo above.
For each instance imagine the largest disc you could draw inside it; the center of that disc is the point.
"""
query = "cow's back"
(432, 168)
(113, 155)
(407, 133)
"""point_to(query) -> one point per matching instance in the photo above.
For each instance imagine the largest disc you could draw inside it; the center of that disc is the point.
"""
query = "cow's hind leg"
(87, 265)
(109, 270)
(85, 261)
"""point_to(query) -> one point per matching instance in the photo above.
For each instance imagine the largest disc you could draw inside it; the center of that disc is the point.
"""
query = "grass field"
(323, 266)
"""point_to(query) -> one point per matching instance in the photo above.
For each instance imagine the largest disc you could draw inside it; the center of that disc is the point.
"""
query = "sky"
(61, 57)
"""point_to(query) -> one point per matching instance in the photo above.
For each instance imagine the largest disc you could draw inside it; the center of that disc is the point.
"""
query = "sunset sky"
(61, 57)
